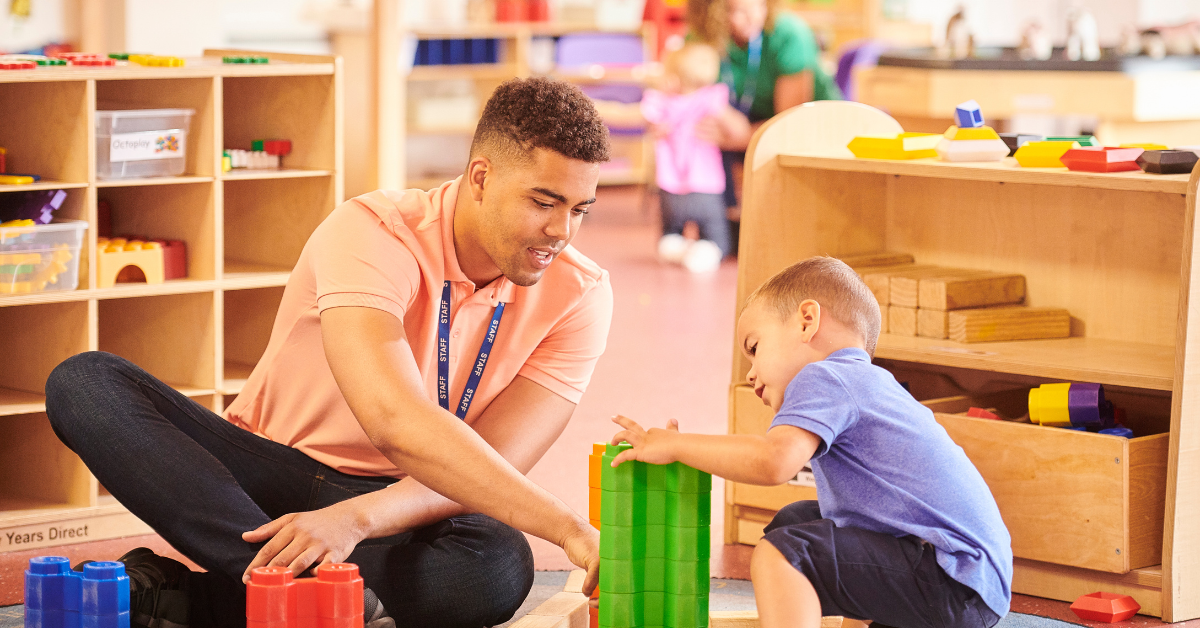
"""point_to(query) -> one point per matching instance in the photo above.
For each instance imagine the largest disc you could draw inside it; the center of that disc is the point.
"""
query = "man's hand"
(583, 549)
(305, 539)
(653, 446)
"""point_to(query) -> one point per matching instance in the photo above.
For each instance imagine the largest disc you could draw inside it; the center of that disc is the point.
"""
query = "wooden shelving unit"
(1086, 511)
(244, 231)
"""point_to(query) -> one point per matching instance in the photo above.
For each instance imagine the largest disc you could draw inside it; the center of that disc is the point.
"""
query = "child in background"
(906, 532)
(689, 170)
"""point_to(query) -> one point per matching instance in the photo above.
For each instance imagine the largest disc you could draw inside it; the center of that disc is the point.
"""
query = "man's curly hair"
(524, 114)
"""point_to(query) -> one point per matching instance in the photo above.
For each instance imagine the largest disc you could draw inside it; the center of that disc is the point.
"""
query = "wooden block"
(903, 286)
(749, 619)
(575, 581)
(883, 318)
(877, 278)
(959, 293)
(902, 321)
(998, 324)
(933, 323)
(877, 259)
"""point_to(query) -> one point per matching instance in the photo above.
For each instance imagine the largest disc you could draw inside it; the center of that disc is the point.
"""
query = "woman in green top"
(771, 64)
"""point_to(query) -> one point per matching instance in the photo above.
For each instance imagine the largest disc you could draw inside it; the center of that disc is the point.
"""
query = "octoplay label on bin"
(147, 145)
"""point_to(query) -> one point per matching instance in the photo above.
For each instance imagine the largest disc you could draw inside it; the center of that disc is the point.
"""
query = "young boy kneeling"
(906, 532)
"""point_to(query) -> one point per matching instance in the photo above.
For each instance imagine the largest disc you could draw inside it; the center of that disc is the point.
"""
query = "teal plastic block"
(654, 609)
(687, 577)
(656, 541)
(684, 479)
(623, 576)
(622, 508)
(689, 510)
(686, 543)
(686, 611)
(656, 507)
(656, 477)
(630, 476)
(621, 610)
(622, 542)
(654, 575)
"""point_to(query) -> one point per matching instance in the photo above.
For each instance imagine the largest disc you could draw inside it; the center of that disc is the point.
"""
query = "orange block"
(594, 503)
(594, 462)
(595, 523)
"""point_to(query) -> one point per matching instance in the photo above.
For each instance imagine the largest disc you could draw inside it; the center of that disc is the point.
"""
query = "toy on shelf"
(1046, 154)
(115, 255)
(1103, 159)
(58, 597)
(968, 115)
(156, 61)
(1105, 607)
(282, 148)
(1082, 140)
(903, 146)
(245, 59)
(36, 205)
(1070, 405)
(1146, 146)
(654, 544)
(980, 413)
(13, 62)
(979, 143)
(84, 59)
(263, 155)
(37, 258)
(333, 599)
(1167, 161)
(1017, 140)
(15, 179)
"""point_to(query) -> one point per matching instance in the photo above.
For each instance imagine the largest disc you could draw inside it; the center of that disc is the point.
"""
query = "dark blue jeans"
(201, 482)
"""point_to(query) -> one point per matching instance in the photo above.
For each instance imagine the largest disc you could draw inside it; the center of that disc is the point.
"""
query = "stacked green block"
(654, 544)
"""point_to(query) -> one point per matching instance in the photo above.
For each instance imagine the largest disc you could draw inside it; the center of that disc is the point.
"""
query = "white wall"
(44, 25)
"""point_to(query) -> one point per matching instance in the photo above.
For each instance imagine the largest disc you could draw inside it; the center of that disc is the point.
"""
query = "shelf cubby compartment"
(173, 212)
(37, 338)
(45, 132)
(172, 337)
(249, 317)
(182, 93)
(267, 223)
(253, 110)
(37, 474)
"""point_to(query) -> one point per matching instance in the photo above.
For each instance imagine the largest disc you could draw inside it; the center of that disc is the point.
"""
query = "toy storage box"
(40, 258)
(142, 142)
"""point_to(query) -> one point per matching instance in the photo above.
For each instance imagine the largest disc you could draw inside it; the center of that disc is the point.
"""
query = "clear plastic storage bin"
(142, 142)
(40, 258)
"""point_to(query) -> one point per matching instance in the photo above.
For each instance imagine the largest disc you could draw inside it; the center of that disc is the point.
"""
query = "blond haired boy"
(906, 532)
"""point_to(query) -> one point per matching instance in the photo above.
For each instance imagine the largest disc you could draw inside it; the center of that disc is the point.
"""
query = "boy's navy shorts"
(872, 576)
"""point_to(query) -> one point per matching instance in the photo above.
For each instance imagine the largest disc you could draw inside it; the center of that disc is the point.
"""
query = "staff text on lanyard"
(485, 350)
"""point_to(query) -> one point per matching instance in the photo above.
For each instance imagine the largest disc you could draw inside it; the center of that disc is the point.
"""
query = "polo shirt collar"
(500, 290)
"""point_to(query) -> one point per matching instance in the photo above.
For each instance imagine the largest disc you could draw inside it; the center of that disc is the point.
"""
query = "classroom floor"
(669, 356)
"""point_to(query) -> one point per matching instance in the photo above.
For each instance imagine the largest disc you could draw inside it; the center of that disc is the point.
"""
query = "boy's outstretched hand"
(652, 446)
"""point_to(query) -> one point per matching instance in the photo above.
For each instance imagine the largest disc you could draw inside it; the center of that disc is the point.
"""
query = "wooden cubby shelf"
(243, 230)
(1086, 511)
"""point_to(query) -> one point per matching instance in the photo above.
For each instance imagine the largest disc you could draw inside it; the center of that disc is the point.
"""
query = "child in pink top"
(689, 170)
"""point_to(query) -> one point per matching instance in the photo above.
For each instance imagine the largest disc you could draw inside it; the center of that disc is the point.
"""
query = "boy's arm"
(765, 460)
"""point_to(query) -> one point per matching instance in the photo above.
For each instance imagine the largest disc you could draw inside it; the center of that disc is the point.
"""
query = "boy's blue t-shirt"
(886, 465)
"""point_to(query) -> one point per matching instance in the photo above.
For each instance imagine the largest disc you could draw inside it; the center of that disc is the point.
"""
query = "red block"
(1106, 159)
(1105, 607)
(334, 599)
(593, 617)
(174, 258)
(277, 147)
(18, 65)
(980, 413)
(512, 11)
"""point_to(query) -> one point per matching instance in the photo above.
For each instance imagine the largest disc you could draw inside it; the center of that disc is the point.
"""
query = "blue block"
(493, 50)
(105, 596)
(52, 593)
(422, 55)
(968, 116)
(435, 52)
(457, 52)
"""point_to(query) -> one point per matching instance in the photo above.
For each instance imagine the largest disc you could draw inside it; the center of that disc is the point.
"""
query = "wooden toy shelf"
(244, 231)
(1087, 512)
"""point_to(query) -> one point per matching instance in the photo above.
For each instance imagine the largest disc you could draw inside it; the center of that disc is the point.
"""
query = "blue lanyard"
(444, 356)
(753, 61)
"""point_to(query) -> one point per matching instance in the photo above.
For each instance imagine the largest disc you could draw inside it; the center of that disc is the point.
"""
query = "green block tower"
(654, 544)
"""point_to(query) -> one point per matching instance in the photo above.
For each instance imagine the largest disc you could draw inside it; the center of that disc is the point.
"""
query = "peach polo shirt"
(392, 251)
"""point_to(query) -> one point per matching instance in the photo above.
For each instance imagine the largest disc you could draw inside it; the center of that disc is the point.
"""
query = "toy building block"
(16, 179)
(972, 150)
(157, 61)
(654, 544)
(105, 589)
(932, 323)
(117, 254)
(970, 291)
(333, 599)
(272, 147)
(1102, 159)
(980, 413)
(997, 324)
(1070, 405)
(1017, 140)
(244, 59)
(53, 593)
(902, 321)
(1043, 154)
(1167, 161)
(903, 146)
(879, 280)
(22, 273)
(904, 286)
(968, 115)
(253, 160)
(1105, 607)
(955, 133)
(1082, 140)
(1146, 146)
(874, 260)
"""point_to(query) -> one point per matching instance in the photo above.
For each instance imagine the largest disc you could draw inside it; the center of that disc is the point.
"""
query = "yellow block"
(115, 254)
(1043, 154)
(1048, 405)
(903, 146)
(1146, 146)
(980, 133)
